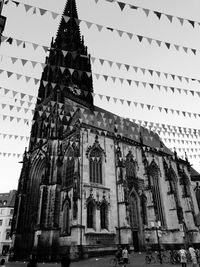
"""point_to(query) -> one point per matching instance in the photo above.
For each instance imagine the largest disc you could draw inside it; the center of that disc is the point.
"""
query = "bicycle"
(115, 262)
(149, 258)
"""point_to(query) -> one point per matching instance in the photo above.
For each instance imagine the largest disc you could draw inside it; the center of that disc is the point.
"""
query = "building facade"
(7, 201)
(90, 179)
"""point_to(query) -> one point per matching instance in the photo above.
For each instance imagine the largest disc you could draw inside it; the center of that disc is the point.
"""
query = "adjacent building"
(90, 179)
(7, 201)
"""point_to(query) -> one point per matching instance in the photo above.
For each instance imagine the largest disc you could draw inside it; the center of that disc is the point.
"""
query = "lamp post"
(157, 226)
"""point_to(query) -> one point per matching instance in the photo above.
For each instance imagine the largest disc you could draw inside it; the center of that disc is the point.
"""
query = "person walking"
(125, 256)
(118, 255)
(183, 257)
(193, 256)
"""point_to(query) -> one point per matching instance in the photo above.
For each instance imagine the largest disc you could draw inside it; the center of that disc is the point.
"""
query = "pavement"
(136, 260)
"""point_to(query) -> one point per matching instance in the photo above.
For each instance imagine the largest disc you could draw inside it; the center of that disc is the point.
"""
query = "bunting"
(99, 27)
(41, 11)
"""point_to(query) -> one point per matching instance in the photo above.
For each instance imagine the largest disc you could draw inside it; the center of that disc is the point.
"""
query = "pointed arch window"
(90, 215)
(130, 170)
(66, 218)
(104, 215)
(95, 161)
(133, 211)
(174, 190)
(156, 193)
(68, 176)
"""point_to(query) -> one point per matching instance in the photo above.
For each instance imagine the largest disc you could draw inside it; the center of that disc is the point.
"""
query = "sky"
(163, 104)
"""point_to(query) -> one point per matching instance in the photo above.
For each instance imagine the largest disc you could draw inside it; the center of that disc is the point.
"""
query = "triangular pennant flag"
(177, 47)
(146, 11)
(167, 45)
(158, 14)
(149, 40)
(66, 18)
(169, 17)
(88, 24)
(130, 35)
(158, 42)
(121, 5)
(181, 20)
(14, 59)
(42, 11)
(35, 46)
(27, 7)
(99, 27)
(120, 32)
(54, 15)
(191, 22)
(185, 49)
(140, 38)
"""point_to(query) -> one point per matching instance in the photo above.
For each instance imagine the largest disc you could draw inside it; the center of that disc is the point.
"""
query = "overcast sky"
(107, 44)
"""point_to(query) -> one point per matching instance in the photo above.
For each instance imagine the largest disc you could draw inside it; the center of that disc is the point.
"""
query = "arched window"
(68, 176)
(174, 190)
(156, 194)
(104, 215)
(95, 162)
(133, 211)
(66, 218)
(130, 171)
(90, 215)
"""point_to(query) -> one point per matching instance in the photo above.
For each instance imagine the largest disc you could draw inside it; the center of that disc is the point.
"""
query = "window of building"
(1, 222)
(10, 222)
(90, 215)
(69, 169)
(7, 235)
(157, 202)
(95, 162)
(11, 211)
(66, 218)
(104, 216)
(4, 202)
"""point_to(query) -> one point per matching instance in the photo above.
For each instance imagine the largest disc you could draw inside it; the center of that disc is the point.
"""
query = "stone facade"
(92, 180)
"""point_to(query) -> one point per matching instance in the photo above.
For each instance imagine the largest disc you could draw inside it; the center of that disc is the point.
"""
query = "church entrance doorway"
(135, 240)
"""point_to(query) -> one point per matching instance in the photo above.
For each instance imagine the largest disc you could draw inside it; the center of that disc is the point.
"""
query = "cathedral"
(92, 180)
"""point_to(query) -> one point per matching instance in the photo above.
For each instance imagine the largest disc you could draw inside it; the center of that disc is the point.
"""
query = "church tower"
(66, 86)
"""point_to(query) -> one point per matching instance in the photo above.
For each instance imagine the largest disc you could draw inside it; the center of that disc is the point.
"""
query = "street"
(136, 259)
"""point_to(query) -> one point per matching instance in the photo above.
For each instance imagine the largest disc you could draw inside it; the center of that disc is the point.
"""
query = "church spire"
(68, 35)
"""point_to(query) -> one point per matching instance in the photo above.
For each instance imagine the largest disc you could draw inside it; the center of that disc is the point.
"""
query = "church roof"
(106, 121)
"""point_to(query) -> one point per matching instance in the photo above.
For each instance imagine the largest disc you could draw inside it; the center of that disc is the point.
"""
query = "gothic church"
(92, 180)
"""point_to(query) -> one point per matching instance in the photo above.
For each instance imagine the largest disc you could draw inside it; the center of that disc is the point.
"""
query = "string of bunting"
(18, 42)
(150, 125)
(7, 154)
(144, 70)
(99, 27)
(122, 5)
(97, 75)
(129, 102)
(102, 61)
(158, 14)
(15, 136)
(15, 94)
